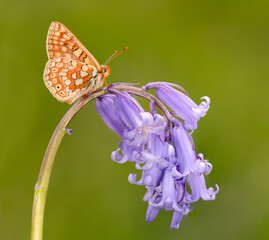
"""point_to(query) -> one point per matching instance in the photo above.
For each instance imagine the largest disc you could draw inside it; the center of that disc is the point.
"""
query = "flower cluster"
(160, 146)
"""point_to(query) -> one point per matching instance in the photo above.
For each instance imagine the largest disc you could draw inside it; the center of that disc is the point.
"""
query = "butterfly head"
(106, 70)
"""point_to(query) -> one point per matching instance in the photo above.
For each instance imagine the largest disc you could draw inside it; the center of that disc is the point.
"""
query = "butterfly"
(71, 70)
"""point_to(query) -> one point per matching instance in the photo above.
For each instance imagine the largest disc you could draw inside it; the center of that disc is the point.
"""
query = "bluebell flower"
(161, 147)
(124, 115)
(109, 113)
(183, 107)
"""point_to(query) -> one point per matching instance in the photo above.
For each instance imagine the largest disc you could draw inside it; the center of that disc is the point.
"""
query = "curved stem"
(42, 184)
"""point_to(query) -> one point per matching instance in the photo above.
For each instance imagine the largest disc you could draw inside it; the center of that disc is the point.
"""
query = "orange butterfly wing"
(61, 42)
(68, 79)
(71, 70)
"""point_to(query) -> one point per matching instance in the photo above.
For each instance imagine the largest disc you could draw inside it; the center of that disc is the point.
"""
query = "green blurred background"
(214, 48)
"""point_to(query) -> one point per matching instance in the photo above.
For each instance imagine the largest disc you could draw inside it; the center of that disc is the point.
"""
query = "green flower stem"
(42, 184)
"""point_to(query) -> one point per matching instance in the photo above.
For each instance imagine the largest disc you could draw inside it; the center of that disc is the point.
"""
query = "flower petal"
(152, 213)
(109, 113)
(177, 217)
(185, 150)
(182, 105)
(128, 111)
(199, 189)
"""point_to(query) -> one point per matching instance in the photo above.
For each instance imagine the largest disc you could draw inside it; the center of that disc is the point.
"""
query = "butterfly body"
(72, 70)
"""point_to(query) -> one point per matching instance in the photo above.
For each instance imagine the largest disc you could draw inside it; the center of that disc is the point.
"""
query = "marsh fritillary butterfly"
(71, 71)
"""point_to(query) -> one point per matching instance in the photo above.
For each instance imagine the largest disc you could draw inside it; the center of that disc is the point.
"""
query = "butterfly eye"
(107, 70)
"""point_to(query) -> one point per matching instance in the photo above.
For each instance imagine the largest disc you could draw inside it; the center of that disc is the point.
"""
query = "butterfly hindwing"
(68, 79)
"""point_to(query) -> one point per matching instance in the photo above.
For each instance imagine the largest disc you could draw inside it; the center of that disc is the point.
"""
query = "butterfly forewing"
(61, 42)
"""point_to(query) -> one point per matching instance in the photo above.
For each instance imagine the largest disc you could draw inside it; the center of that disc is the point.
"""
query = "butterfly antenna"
(114, 55)
(109, 59)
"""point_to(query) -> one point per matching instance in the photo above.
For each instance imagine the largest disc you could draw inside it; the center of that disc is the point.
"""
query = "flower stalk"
(41, 187)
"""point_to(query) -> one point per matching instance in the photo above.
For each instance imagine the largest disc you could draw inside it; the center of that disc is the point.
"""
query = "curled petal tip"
(207, 100)
(217, 189)
(132, 178)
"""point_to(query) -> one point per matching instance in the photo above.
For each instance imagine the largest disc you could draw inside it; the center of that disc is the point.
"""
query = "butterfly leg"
(85, 96)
